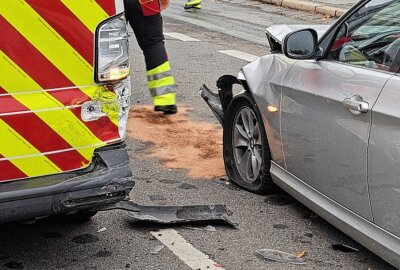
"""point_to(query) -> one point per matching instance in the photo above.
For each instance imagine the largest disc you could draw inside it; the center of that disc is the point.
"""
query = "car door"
(384, 158)
(326, 107)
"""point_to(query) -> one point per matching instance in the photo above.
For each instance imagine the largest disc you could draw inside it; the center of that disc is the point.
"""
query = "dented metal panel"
(264, 78)
(279, 31)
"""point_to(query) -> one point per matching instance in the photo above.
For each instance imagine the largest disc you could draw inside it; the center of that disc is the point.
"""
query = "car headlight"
(112, 50)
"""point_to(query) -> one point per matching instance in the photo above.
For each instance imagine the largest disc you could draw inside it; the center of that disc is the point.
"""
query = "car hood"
(277, 33)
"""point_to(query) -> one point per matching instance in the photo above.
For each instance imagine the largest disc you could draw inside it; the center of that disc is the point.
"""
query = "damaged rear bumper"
(107, 181)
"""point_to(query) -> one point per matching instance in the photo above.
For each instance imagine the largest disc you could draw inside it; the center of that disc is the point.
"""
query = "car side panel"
(324, 143)
(379, 241)
(264, 78)
(384, 158)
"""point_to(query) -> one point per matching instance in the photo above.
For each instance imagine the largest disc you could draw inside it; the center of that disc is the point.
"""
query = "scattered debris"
(301, 254)
(157, 249)
(309, 235)
(280, 226)
(310, 215)
(180, 214)
(227, 183)
(208, 228)
(102, 230)
(278, 200)
(305, 238)
(187, 186)
(279, 256)
(103, 253)
(344, 248)
(173, 214)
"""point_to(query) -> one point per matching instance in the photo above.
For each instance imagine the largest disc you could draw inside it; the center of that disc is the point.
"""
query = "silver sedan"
(320, 118)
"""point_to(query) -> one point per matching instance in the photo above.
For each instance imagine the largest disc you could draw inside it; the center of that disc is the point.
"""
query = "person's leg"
(149, 34)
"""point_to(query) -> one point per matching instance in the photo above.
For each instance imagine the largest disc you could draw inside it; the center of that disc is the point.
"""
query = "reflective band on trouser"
(159, 76)
(161, 84)
(168, 99)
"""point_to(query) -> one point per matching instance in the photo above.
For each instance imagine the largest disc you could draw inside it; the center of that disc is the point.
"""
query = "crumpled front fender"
(263, 78)
(219, 102)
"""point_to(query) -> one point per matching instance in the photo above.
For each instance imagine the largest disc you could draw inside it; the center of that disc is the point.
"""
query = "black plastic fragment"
(344, 248)
(173, 214)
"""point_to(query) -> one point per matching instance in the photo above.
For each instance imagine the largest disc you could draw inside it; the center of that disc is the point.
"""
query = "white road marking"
(180, 36)
(240, 55)
(194, 258)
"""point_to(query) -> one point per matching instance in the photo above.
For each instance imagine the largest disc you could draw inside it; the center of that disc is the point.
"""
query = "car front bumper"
(106, 181)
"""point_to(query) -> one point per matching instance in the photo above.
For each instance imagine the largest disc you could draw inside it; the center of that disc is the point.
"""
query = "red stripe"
(108, 6)
(2, 91)
(108, 132)
(9, 171)
(43, 72)
(43, 138)
(39, 134)
(67, 25)
(9, 104)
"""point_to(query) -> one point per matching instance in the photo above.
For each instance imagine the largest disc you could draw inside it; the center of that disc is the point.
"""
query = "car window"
(370, 37)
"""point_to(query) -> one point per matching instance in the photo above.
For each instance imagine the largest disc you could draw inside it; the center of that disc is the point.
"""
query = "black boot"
(166, 109)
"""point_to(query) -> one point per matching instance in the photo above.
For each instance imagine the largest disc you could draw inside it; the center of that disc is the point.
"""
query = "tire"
(247, 157)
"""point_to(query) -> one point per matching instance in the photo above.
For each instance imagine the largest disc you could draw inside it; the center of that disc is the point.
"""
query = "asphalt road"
(276, 222)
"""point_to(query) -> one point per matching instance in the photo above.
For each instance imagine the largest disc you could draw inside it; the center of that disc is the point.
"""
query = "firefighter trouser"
(149, 34)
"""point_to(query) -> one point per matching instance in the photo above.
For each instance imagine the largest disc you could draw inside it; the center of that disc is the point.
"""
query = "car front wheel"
(246, 152)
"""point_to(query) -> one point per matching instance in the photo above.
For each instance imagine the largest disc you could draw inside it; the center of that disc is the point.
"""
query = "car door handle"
(356, 104)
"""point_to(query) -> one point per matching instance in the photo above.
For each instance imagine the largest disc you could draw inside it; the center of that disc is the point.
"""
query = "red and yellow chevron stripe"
(46, 74)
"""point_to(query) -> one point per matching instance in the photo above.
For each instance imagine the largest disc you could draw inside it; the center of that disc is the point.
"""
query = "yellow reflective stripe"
(40, 34)
(13, 145)
(161, 82)
(59, 52)
(13, 79)
(162, 68)
(88, 12)
(168, 99)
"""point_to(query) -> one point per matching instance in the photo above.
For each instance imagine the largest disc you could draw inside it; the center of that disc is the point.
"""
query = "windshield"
(371, 36)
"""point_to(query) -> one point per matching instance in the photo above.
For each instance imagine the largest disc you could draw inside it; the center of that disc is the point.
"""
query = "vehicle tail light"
(112, 50)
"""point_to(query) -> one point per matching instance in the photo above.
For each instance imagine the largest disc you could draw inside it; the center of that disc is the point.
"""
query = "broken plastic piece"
(157, 249)
(208, 228)
(102, 230)
(301, 254)
(279, 256)
(181, 214)
(173, 214)
(344, 248)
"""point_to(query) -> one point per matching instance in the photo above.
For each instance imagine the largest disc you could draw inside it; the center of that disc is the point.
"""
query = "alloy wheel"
(247, 144)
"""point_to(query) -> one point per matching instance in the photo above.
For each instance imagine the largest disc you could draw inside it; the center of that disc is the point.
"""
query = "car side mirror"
(301, 44)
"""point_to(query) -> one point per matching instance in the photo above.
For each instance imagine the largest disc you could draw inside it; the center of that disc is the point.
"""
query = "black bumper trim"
(108, 181)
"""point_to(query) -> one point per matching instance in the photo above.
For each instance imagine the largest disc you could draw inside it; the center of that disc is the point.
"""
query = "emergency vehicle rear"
(64, 103)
